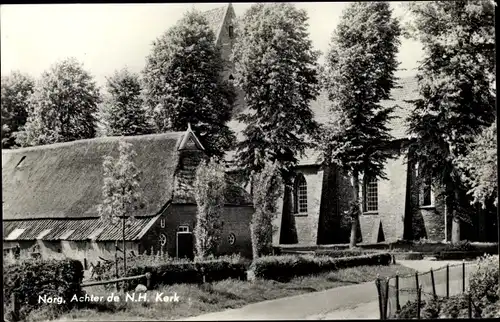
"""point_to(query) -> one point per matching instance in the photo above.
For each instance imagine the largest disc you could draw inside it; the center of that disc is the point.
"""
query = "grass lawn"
(200, 299)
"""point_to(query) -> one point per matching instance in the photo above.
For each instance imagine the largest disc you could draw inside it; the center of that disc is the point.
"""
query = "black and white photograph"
(198, 161)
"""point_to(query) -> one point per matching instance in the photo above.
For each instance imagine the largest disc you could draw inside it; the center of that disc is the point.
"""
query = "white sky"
(107, 37)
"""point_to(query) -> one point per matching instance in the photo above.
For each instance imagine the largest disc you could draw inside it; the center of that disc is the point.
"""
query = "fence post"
(469, 301)
(416, 280)
(433, 285)
(447, 280)
(148, 280)
(16, 307)
(463, 276)
(116, 264)
(377, 283)
(397, 292)
(386, 297)
(419, 296)
(85, 263)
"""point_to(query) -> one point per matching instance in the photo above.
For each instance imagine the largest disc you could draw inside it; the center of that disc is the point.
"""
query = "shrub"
(183, 271)
(484, 281)
(463, 245)
(284, 268)
(343, 253)
(50, 278)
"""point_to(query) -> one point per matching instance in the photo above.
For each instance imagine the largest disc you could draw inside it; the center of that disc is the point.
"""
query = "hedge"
(183, 271)
(344, 252)
(284, 268)
(33, 278)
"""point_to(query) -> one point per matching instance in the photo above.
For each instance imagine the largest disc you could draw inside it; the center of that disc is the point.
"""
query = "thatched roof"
(64, 180)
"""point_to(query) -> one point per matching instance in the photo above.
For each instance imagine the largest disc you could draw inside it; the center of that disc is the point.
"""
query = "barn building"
(51, 193)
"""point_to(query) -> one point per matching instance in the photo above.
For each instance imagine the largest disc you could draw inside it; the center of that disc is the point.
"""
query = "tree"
(63, 106)
(209, 189)
(184, 84)
(121, 191)
(276, 68)
(479, 167)
(360, 67)
(456, 85)
(16, 90)
(268, 188)
(122, 112)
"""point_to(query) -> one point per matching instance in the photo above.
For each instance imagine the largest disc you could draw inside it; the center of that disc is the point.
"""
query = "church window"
(300, 206)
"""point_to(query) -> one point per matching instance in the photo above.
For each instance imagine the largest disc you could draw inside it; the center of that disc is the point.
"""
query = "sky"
(108, 37)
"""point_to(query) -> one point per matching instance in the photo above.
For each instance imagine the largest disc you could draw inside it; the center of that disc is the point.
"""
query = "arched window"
(300, 195)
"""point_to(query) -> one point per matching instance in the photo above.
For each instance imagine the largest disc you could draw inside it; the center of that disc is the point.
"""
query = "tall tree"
(276, 68)
(456, 85)
(123, 112)
(209, 188)
(480, 167)
(16, 90)
(360, 68)
(121, 191)
(63, 106)
(184, 84)
(268, 188)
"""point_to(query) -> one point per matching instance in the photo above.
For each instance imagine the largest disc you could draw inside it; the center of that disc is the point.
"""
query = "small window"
(231, 239)
(231, 32)
(162, 223)
(183, 229)
(426, 192)
(163, 239)
(370, 195)
(20, 162)
(231, 77)
(300, 200)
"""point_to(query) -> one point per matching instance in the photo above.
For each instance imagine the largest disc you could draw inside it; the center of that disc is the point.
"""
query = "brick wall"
(236, 220)
(307, 225)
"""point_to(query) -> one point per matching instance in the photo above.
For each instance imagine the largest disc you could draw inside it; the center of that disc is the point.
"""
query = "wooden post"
(15, 307)
(433, 285)
(116, 263)
(398, 307)
(148, 281)
(386, 297)
(469, 298)
(447, 280)
(85, 263)
(419, 296)
(380, 308)
(463, 276)
(416, 280)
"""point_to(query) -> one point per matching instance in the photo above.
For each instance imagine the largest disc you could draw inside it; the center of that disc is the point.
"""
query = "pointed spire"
(189, 127)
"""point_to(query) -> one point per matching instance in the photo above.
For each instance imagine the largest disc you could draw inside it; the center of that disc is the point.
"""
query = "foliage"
(283, 268)
(266, 192)
(209, 188)
(122, 112)
(359, 74)
(343, 253)
(479, 166)
(16, 90)
(34, 278)
(276, 68)
(463, 245)
(62, 107)
(484, 280)
(120, 190)
(184, 271)
(456, 85)
(184, 84)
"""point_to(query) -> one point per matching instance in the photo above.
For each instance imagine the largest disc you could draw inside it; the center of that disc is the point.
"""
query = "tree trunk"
(355, 214)
(456, 223)
(124, 250)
